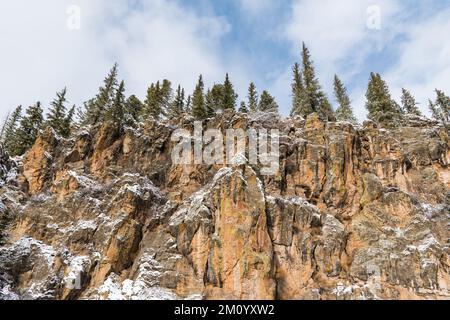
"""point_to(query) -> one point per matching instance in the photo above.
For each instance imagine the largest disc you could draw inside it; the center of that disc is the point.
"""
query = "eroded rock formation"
(354, 213)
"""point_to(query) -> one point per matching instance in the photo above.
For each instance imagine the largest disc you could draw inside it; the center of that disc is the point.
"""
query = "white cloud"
(337, 35)
(424, 63)
(255, 6)
(157, 39)
(340, 42)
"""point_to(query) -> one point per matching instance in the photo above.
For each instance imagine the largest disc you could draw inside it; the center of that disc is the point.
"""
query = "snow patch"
(113, 289)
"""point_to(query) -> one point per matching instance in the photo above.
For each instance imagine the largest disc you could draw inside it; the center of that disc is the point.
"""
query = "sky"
(47, 45)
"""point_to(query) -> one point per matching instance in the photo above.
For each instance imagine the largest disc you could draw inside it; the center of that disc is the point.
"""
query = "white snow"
(82, 180)
(27, 244)
(114, 289)
(431, 210)
(77, 265)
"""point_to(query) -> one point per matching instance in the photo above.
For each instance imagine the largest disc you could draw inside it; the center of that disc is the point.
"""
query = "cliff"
(353, 213)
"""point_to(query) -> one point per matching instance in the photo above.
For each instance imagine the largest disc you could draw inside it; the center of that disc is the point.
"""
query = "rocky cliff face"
(354, 213)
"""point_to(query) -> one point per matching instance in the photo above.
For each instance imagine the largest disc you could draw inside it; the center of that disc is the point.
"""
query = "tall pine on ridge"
(229, 96)
(267, 103)
(152, 107)
(28, 131)
(252, 98)
(381, 107)
(56, 117)
(214, 99)
(133, 107)
(96, 108)
(9, 131)
(298, 94)
(440, 109)
(409, 104)
(116, 114)
(177, 107)
(344, 112)
(312, 94)
(198, 100)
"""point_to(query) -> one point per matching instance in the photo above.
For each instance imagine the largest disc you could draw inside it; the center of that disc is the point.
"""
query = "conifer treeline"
(111, 104)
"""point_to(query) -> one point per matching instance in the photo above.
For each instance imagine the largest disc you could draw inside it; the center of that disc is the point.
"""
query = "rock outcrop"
(353, 213)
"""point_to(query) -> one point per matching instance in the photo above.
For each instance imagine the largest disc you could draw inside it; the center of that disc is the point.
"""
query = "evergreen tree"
(177, 107)
(133, 109)
(4, 124)
(252, 98)
(116, 114)
(382, 109)
(440, 109)
(165, 97)
(312, 93)
(214, 100)
(243, 108)
(56, 118)
(267, 103)
(325, 110)
(68, 121)
(28, 131)
(299, 106)
(9, 130)
(152, 106)
(344, 112)
(96, 108)
(189, 104)
(229, 96)
(158, 100)
(410, 106)
(198, 101)
(210, 106)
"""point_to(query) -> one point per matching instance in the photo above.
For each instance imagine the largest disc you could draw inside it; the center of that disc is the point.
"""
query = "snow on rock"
(35, 257)
(77, 266)
(114, 289)
(83, 181)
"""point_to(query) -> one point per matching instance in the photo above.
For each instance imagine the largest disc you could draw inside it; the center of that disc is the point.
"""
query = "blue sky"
(253, 40)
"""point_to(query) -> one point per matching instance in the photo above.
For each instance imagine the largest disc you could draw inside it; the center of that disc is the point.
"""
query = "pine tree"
(189, 104)
(409, 103)
(28, 131)
(133, 110)
(116, 113)
(165, 97)
(312, 94)
(299, 106)
(177, 107)
(96, 108)
(3, 128)
(243, 108)
(198, 101)
(267, 103)
(158, 100)
(440, 109)
(152, 106)
(382, 109)
(68, 121)
(57, 114)
(344, 112)
(325, 109)
(252, 98)
(229, 96)
(214, 100)
(10, 129)
(210, 105)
